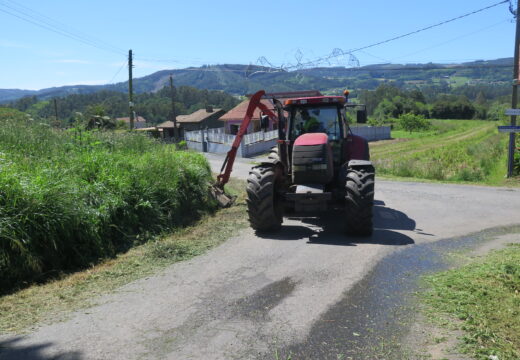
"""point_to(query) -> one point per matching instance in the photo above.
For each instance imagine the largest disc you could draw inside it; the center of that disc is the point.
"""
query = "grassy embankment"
(71, 200)
(484, 297)
(453, 150)
(54, 300)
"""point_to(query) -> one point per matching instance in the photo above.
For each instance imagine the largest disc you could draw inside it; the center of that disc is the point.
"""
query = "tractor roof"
(316, 100)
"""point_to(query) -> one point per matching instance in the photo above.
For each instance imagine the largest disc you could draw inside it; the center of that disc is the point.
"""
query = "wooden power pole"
(174, 117)
(516, 72)
(130, 90)
(56, 109)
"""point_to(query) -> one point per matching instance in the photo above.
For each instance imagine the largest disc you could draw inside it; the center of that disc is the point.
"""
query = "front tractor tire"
(264, 205)
(359, 201)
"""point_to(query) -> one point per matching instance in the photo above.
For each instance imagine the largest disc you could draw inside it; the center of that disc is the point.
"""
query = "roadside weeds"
(52, 301)
(479, 302)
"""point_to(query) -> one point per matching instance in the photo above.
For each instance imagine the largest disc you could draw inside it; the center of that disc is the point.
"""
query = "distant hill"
(243, 79)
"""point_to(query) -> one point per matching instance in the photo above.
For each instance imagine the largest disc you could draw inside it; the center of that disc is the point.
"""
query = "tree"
(497, 111)
(481, 99)
(453, 107)
(385, 110)
(412, 122)
(417, 95)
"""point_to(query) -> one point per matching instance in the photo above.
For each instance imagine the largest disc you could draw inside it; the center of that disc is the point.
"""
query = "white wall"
(260, 142)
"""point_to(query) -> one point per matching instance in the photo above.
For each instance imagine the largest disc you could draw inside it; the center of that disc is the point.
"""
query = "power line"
(43, 21)
(64, 27)
(117, 73)
(454, 39)
(49, 24)
(430, 27)
(328, 57)
(349, 53)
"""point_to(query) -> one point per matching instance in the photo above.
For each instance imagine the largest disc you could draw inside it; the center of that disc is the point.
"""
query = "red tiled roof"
(197, 116)
(239, 111)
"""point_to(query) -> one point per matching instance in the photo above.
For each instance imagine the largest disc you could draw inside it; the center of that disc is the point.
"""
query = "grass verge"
(71, 198)
(54, 300)
(483, 298)
(452, 151)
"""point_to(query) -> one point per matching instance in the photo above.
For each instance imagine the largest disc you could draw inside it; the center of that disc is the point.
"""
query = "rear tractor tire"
(359, 201)
(264, 204)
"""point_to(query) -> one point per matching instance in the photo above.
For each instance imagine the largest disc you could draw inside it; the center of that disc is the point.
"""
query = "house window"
(233, 129)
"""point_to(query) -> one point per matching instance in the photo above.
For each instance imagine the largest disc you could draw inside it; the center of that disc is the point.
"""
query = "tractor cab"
(316, 115)
(326, 115)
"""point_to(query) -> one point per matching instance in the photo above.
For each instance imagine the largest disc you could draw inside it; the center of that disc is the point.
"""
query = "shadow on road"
(9, 350)
(329, 228)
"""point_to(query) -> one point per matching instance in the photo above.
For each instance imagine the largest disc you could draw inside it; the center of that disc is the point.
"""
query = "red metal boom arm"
(254, 103)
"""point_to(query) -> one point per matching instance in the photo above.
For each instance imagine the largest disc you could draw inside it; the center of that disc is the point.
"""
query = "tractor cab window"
(316, 120)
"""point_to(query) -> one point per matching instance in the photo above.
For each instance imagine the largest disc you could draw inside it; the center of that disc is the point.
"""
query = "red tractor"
(317, 164)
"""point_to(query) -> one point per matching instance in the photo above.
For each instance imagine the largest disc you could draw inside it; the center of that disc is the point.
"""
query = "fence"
(218, 136)
(372, 133)
(216, 141)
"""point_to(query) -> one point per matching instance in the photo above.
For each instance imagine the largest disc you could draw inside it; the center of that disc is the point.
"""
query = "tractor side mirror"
(361, 116)
(264, 122)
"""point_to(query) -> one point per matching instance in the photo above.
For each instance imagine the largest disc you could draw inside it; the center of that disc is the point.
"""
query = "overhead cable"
(328, 57)
(31, 16)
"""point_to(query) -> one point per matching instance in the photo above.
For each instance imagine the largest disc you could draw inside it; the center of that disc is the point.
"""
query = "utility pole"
(56, 110)
(174, 117)
(516, 72)
(130, 90)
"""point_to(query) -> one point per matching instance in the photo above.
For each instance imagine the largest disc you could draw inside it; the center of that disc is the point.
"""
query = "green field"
(452, 150)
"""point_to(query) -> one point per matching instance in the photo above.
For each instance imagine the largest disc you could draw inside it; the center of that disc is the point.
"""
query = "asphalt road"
(255, 295)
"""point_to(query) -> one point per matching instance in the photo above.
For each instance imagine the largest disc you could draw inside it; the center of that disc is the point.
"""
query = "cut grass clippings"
(483, 298)
(52, 301)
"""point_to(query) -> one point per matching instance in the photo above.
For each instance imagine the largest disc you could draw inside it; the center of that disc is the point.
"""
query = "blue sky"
(192, 33)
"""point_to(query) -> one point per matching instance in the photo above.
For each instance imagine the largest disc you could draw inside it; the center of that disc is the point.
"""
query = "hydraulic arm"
(217, 189)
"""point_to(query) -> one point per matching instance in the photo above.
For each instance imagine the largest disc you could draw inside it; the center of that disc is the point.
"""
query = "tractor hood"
(312, 159)
(310, 139)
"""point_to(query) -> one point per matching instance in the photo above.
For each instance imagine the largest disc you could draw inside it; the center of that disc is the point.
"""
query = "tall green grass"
(69, 198)
(451, 152)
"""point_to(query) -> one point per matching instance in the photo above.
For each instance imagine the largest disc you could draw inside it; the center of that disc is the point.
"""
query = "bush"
(70, 198)
(453, 108)
(411, 122)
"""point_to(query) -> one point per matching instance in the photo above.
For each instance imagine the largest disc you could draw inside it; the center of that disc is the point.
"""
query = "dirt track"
(254, 295)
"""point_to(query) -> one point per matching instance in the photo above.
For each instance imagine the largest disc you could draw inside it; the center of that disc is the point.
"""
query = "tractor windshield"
(316, 120)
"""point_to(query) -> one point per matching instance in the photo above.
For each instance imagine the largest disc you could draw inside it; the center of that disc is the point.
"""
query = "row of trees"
(389, 101)
(154, 107)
